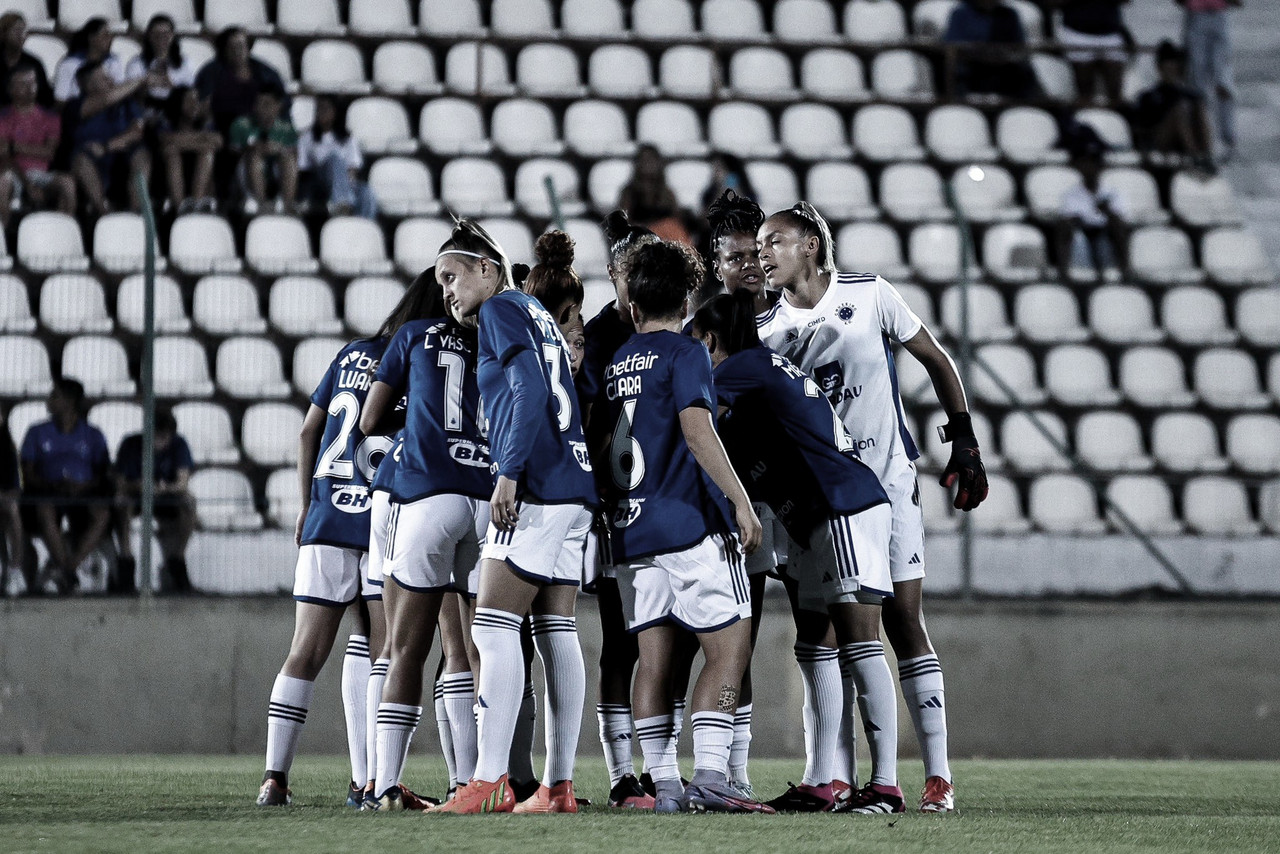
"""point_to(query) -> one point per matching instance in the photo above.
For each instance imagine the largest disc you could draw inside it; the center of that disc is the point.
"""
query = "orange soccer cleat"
(557, 798)
(479, 796)
(938, 796)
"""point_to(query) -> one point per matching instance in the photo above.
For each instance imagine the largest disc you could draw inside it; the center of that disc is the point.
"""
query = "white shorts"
(434, 544)
(1083, 47)
(906, 548)
(331, 575)
(702, 588)
(548, 545)
(594, 563)
(379, 526)
(765, 558)
(847, 560)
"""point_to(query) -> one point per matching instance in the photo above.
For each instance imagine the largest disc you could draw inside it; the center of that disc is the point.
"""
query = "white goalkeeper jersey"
(845, 343)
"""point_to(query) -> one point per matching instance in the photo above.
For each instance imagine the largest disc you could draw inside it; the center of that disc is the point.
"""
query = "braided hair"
(733, 214)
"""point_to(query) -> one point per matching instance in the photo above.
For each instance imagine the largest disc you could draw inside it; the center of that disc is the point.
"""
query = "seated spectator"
(329, 158)
(1206, 36)
(10, 518)
(1096, 43)
(107, 130)
(649, 200)
(232, 80)
(1091, 233)
(162, 55)
(29, 135)
(188, 143)
(13, 35)
(90, 43)
(175, 513)
(268, 149)
(1170, 116)
(993, 60)
(66, 477)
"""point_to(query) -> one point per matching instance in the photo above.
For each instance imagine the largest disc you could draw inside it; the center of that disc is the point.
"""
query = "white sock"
(459, 702)
(445, 732)
(823, 699)
(658, 746)
(741, 746)
(712, 735)
(845, 762)
(355, 684)
(921, 680)
(615, 738)
(373, 698)
(879, 705)
(396, 725)
(497, 638)
(521, 760)
(678, 718)
(286, 715)
(556, 639)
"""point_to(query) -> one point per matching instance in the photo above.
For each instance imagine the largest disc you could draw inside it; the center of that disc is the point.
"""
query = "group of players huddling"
(666, 460)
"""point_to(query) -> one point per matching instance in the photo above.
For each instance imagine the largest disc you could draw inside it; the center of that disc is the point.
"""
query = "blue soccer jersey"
(386, 476)
(339, 510)
(433, 363)
(659, 498)
(523, 356)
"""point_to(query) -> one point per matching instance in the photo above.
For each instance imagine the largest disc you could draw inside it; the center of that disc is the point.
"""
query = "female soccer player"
(837, 327)
(539, 517)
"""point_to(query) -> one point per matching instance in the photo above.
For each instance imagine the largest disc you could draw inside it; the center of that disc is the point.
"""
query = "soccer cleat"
(355, 796)
(524, 791)
(938, 796)
(841, 791)
(389, 802)
(804, 798)
(873, 798)
(629, 794)
(720, 797)
(557, 798)
(479, 796)
(744, 789)
(273, 794)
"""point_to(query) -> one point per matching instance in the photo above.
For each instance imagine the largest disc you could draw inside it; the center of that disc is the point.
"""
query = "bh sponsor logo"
(350, 498)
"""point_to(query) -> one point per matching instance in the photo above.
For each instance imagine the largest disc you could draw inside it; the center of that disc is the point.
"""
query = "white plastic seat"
(902, 75)
(457, 18)
(988, 319)
(919, 300)
(886, 133)
(524, 128)
(831, 74)
(329, 65)
(302, 112)
(1196, 316)
(1203, 202)
(1026, 449)
(1111, 441)
(72, 303)
(871, 247)
(549, 70)
(814, 132)
(1048, 314)
(1002, 509)
(416, 242)
(662, 20)
(181, 368)
(1253, 443)
(72, 14)
(1138, 190)
(689, 71)
(873, 22)
(405, 68)
(283, 502)
(353, 246)
(15, 306)
(840, 190)
(805, 22)
(269, 433)
(590, 253)
(203, 243)
(1258, 316)
(100, 364)
(119, 244)
(309, 18)
(1154, 377)
(743, 129)
(1123, 314)
(1045, 186)
(116, 419)
(620, 71)
(23, 417)
(606, 180)
(689, 180)
(1273, 376)
(1015, 367)
(275, 245)
(303, 305)
(470, 186)
(453, 126)
(775, 184)
(170, 315)
(1032, 19)
(761, 74)
(276, 54)
(250, 368)
(912, 192)
(1269, 505)
(987, 194)
(36, 14)
(1234, 256)
(1014, 252)
(224, 500)
(380, 18)
(402, 186)
(207, 429)
(732, 20)
(1228, 379)
(1079, 375)
(929, 18)
(521, 18)
(597, 129)
(227, 305)
(50, 242)
(48, 49)
(1146, 500)
(933, 250)
(1114, 130)
(1064, 504)
(513, 236)
(311, 358)
(1055, 76)
(595, 20)
(368, 301)
(957, 133)
(1028, 136)
(381, 126)
(1217, 506)
(673, 128)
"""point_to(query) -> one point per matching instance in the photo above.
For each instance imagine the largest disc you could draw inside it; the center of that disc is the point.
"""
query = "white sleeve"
(306, 150)
(64, 78)
(1077, 204)
(896, 317)
(351, 153)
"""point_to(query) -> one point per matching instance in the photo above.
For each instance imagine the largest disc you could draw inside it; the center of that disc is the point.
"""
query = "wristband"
(959, 427)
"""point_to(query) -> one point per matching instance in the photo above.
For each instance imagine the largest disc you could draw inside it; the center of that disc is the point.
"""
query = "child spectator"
(1170, 116)
(90, 43)
(1208, 42)
(1096, 44)
(13, 35)
(233, 79)
(1091, 231)
(188, 144)
(329, 158)
(106, 130)
(162, 55)
(268, 148)
(29, 135)
(992, 58)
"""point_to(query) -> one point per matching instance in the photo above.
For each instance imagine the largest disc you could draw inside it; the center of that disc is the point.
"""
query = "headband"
(440, 255)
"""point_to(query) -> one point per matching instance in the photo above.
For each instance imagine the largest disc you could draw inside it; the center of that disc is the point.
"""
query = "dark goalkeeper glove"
(965, 466)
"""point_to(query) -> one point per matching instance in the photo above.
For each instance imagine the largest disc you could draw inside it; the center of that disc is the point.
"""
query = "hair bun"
(554, 249)
(616, 226)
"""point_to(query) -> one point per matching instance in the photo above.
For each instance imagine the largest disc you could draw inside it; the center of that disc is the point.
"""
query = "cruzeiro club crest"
(846, 312)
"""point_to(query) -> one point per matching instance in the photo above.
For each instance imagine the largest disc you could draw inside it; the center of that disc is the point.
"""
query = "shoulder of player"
(846, 280)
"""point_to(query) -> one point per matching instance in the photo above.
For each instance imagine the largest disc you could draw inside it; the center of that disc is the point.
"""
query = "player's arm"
(529, 397)
(309, 439)
(700, 435)
(379, 417)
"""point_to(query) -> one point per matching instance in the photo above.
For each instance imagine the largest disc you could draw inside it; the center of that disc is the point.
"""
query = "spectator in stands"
(106, 127)
(175, 513)
(1170, 116)
(10, 518)
(992, 59)
(1208, 43)
(329, 160)
(1091, 232)
(268, 147)
(728, 172)
(188, 144)
(66, 476)
(90, 43)
(13, 35)
(162, 56)
(29, 135)
(648, 199)
(1097, 45)
(232, 80)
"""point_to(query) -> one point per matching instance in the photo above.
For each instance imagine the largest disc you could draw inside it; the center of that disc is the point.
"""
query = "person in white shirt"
(329, 158)
(92, 42)
(162, 54)
(1091, 233)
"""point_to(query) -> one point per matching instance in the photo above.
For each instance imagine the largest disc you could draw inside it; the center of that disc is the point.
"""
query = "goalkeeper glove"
(965, 466)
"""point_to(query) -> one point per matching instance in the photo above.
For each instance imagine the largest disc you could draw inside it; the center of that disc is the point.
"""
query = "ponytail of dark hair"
(424, 299)
(732, 319)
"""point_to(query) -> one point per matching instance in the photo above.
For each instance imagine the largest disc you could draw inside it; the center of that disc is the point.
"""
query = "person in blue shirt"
(539, 518)
(66, 476)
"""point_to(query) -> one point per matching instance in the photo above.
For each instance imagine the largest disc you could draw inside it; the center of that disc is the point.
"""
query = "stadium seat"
(1228, 379)
(1196, 316)
(333, 66)
(303, 305)
(1014, 253)
(775, 184)
(275, 245)
(743, 129)
(35, 13)
(521, 19)
(1048, 314)
(935, 504)
(597, 129)
(912, 192)
(872, 247)
(100, 364)
(1217, 506)
(302, 112)
(1055, 76)
(1257, 316)
(72, 303)
(250, 368)
(662, 20)
(1028, 136)
(1234, 256)
(1269, 505)
(840, 191)
(283, 502)
(181, 368)
(1161, 255)
(1137, 189)
(472, 68)
(1114, 130)
(50, 243)
(524, 128)
(309, 18)
(203, 243)
(620, 71)
(15, 306)
(761, 74)
(380, 18)
(958, 134)
(831, 74)
(475, 187)
(117, 419)
(814, 132)
(119, 244)
(902, 75)
(207, 429)
(1026, 449)
(457, 18)
(929, 18)
(452, 126)
(170, 315)
(1045, 186)
(1123, 314)
(1203, 202)
(598, 294)
(590, 253)
(1079, 375)
(607, 178)
(1017, 370)
(1111, 441)
(1273, 376)
(49, 50)
(987, 194)
(513, 236)
(1002, 510)
(988, 319)
(805, 22)
(1154, 377)
(353, 246)
(381, 126)
(532, 194)
(402, 186)
(227, 305)
(1253, 443)
(873, 22)
(416, 242)
(549, 71)
(1146, 501)
(269, 432)
(405, 68)
(592, 20)
(886, 133)
(732, 20)
(311, 358)
(368, 301)
(23, 417)
(1064, 504)
(276, 54)
(224, 500)
(673, 128)
(1032, 19)
(919, 300)
(72, 14)
(933, 250)
(689, 71)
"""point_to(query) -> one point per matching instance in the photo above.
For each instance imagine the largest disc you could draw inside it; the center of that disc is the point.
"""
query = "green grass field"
(156, 803)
